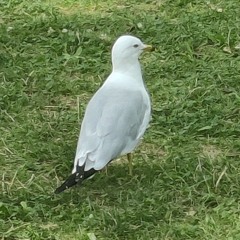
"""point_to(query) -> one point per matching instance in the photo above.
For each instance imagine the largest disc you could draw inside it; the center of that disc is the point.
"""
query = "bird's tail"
(72, 180)
(75, 178)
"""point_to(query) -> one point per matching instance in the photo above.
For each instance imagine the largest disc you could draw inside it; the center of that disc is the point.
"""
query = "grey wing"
(112, 124)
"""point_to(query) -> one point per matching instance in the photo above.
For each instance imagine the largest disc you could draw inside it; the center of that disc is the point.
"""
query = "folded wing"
(112, 126)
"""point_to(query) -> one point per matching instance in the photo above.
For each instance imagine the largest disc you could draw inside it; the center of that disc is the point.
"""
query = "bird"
(117, 115)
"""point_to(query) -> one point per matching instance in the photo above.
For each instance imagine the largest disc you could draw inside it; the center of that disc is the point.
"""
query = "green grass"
(55, 54)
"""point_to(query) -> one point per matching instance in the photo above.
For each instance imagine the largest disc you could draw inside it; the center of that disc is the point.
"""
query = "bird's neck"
(131, 68)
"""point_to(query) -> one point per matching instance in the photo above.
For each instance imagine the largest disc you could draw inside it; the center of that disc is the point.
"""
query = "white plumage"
(117, 115)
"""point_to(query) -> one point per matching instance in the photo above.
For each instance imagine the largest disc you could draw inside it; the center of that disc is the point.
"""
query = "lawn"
(186, 179)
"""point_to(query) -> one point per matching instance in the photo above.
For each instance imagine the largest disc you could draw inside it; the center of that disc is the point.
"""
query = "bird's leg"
(106, 170)
(130, 166)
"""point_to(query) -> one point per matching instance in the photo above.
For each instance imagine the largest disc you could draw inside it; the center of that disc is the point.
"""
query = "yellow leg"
(106, 170)
(130, 166)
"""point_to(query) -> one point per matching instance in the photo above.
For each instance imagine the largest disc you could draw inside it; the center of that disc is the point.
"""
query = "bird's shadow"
(116, 180)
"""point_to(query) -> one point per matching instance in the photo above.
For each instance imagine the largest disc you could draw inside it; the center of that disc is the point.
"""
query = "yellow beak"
(149, 48)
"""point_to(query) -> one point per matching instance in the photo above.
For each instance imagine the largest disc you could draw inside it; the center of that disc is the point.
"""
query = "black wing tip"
(59, 189)
(75, 178)
(71, 181)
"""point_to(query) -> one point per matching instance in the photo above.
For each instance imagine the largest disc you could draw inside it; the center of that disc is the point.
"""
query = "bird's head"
(128, 49)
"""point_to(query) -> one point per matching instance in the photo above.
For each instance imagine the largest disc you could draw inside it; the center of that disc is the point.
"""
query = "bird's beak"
(148, 48)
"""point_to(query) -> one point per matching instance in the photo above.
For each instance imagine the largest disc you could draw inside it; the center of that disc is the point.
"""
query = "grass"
(55, 54)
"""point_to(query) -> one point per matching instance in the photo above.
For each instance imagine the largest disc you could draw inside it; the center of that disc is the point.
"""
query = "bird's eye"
(135, 45)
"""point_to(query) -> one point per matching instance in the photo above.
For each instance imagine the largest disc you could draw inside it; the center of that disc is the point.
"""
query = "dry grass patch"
(211, 152)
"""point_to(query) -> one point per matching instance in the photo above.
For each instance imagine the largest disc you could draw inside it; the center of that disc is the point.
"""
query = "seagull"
(117, 115)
